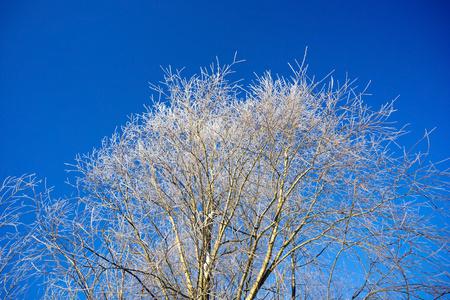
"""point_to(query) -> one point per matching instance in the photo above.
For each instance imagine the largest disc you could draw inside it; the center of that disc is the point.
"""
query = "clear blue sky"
(71, 71)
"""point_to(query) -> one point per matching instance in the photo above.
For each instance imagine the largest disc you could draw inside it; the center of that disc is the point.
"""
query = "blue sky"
(72, 71)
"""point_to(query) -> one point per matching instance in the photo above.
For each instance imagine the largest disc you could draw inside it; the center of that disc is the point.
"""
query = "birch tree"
(286, 189)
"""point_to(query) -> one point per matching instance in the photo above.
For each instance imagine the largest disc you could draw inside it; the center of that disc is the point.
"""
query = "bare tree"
(17, 196)
(295, 192)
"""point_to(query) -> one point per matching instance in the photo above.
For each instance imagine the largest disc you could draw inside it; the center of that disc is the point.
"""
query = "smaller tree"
(17, 247)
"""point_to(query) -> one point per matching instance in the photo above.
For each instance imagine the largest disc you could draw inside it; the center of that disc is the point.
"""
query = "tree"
(291, 193)
(16, 244)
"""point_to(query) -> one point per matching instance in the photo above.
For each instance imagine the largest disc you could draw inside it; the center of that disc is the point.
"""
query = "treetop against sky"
(293, 191)
(282, 179)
